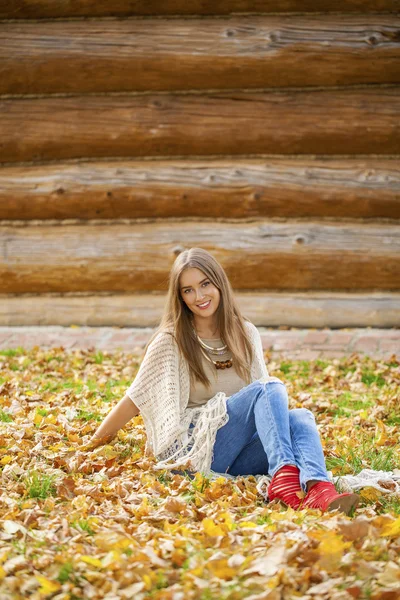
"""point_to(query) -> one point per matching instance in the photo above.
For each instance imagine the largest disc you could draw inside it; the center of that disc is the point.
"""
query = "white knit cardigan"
(161, 390)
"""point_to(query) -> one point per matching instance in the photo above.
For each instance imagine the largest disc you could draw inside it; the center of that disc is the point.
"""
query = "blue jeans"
(262, 435)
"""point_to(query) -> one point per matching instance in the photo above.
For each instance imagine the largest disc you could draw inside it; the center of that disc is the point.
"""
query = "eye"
(206, 283)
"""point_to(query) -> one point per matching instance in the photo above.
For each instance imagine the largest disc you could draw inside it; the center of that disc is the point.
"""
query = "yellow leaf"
(47, 586)
(80, 503)
(49, 503)
(391, 529)
(211, 528)
(247, 524)
(227, 520)
(2, 573)
(381, 433)
(6, 459)
(147, 582)
(370, 493)
(28, 503)
(110, 558)
(38, 419)
(220, 481)
(220, 568)
(105, 452)
(56, 447)
(91, 560)
(331, 550)
(112, 541)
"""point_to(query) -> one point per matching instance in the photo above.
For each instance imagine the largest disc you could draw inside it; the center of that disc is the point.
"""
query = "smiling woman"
(202, 298)
(226, 414)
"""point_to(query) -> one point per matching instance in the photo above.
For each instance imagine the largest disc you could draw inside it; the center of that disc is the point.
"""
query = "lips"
(204, 307)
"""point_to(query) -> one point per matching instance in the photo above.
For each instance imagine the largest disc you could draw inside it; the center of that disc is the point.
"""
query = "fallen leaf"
(268, 564)
(47, 586)
(390, 576)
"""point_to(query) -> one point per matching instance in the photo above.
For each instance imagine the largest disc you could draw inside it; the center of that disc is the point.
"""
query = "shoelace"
(285, 486)
(321, 495)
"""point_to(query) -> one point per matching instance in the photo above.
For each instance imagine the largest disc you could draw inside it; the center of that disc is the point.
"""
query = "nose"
(199, 296)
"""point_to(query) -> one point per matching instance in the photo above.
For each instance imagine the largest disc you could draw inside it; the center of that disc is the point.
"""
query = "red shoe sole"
(344, 503)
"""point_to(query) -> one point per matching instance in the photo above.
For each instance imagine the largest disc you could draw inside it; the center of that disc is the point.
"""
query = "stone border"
(306, 344)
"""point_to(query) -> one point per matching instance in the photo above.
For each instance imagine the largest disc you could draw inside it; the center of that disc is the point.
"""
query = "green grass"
(285, 367)
(98, 358)
(13, 352)
(393, 419)
(364, 456)
(86, 415)
(65, 572)
(5, 417)
(322, 364)
(369, 378)
(40, 485)
(43, 412)
(347, 404)
(390, 504)
(164, 478)
(83, 525)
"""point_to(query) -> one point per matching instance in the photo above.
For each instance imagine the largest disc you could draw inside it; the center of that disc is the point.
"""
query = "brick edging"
(306, 344)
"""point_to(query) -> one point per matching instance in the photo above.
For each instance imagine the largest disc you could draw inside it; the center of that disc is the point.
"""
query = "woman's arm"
(122, 412)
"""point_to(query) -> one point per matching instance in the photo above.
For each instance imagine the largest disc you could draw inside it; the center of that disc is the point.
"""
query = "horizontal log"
(263, 308)
(26, 9)
(132, 258)
(235, 189)
(293, 122)
(245, 52)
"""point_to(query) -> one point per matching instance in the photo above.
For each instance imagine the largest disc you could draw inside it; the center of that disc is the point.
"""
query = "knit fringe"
(195, 445)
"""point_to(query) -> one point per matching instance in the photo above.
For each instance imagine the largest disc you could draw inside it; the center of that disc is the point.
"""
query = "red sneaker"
(285, 486)
(324, 496)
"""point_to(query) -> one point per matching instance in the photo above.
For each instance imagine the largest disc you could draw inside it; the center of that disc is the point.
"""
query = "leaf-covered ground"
(105, 524)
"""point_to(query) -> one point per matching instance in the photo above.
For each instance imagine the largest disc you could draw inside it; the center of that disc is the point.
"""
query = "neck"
(206, 328)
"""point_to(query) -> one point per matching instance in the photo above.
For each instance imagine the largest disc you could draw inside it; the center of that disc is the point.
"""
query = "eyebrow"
(189, 286)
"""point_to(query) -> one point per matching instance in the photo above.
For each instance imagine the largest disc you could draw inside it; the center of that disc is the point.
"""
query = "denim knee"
(301, 414)
(275, 392)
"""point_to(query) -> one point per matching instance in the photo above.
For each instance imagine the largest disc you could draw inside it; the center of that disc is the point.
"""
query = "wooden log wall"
(270, 138)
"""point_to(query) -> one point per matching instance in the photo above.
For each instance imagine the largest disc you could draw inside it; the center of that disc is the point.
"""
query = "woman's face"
(196, 290)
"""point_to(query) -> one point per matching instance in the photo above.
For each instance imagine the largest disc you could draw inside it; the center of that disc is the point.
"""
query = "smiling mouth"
(205, 305)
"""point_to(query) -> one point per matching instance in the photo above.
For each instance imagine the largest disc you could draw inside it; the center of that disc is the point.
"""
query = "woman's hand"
(123, 412)
(94, 442)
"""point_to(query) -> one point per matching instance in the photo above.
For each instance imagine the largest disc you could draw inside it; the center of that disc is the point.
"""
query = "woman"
(208, 402)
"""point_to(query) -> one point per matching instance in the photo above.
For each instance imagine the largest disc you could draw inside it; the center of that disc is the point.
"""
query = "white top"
(161, 390)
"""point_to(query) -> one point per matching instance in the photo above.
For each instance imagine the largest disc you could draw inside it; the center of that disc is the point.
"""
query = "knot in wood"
(373, 40)
(300, 239)
(177, 250)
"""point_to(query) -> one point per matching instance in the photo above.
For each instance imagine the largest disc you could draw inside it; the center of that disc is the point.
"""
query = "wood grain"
(361, 121)
(266, 255)
(263, 308)
(242, 188)
(26, 9)
(246, 52)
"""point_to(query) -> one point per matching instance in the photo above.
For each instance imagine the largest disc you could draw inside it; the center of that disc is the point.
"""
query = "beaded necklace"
(224, 364)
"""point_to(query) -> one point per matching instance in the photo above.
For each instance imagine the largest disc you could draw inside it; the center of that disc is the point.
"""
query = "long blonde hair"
(177, 317)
